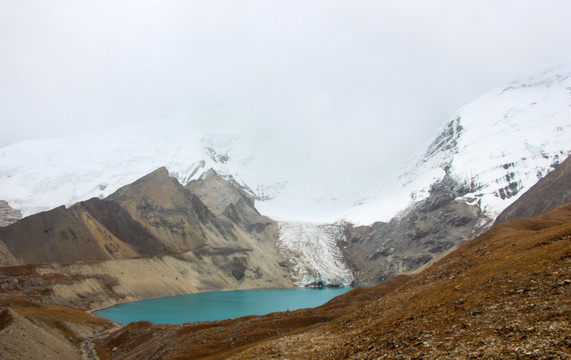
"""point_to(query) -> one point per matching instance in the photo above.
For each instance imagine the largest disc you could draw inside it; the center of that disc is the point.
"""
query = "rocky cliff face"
(420, 234)
(438, 223)
(231, 201)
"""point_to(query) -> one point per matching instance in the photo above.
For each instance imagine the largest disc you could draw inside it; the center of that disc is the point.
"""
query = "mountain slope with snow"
(38, 175)
(498, 146)
(490, 153)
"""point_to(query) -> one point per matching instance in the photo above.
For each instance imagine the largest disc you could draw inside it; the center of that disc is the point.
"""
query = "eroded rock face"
(217, 193)
(409, 241)
(62, 235)
(7, 214)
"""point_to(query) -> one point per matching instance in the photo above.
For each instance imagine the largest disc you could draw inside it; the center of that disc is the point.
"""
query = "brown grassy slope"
(505, 294)
(62, 318)
(219, 339)
(31, 330)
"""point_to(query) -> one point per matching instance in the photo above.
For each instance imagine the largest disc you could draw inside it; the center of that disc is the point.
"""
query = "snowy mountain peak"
(497, 146)
(39, 175)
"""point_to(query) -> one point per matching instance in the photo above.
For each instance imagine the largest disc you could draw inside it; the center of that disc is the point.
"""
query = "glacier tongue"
(313, 250)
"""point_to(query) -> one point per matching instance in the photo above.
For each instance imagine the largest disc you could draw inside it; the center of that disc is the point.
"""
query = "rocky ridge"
(152, 238)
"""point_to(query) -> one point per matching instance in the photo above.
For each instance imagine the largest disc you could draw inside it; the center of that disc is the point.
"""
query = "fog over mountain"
(336, 91)
(496, 145)
(338, 84)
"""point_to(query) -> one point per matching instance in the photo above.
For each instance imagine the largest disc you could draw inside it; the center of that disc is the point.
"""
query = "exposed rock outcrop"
(551, 192)
(229, 200)
(415, 237)
(217, 192)
(7, 214)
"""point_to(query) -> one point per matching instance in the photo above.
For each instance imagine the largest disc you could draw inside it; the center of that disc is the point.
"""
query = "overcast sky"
(361, 76)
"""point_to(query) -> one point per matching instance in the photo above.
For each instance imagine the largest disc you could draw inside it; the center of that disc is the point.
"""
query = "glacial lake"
(219, 305)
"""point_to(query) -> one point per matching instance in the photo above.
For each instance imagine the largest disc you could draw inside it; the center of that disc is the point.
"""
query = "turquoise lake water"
(218, 305)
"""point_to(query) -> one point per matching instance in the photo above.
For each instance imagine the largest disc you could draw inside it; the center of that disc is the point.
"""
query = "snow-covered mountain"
(41, 174)
(497, 146)
(494, 148)
(38, 175)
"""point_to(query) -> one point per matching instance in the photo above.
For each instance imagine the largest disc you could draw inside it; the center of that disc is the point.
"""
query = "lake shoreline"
(217, 305)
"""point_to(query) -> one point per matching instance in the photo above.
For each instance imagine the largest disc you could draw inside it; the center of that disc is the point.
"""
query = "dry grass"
(62, 318)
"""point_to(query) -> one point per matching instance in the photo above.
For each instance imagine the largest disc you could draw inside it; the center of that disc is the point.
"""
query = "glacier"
(315, 253)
